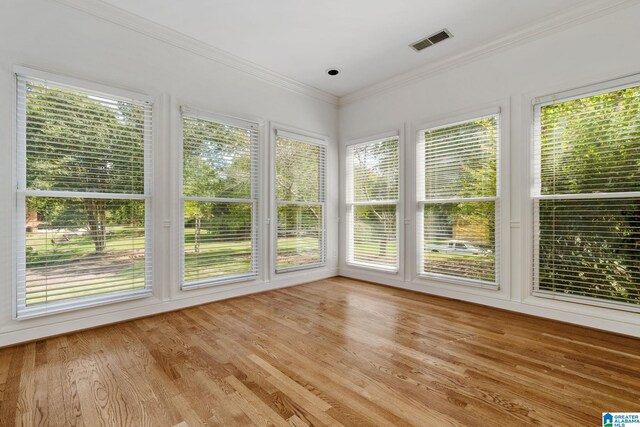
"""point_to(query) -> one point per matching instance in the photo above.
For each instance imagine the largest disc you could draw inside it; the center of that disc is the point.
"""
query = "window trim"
(531, 274)
(498, 200)
(186, 111)
(20, 193)
(600, 88)
(349, 205)
(76, 83)
(308, 138)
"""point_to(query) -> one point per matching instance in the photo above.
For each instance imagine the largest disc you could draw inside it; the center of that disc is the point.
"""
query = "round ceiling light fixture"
(333, 71)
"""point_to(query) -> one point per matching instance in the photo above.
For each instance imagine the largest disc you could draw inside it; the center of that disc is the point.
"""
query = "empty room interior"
(319, 213)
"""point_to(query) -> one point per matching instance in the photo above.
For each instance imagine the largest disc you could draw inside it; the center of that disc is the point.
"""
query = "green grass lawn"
(374, 253)
(44, 252)
(215, 258)
(130, 278)
(72, 268)
(295, 251)
(219, 259)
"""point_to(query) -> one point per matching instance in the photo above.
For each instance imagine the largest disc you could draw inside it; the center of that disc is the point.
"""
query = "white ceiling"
(366, 39)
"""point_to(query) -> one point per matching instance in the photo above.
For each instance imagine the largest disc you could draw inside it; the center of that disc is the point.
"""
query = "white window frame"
(20, 312)
(537, 103)
(308, 138)
(350, 204)
(497, 199)
(255, 200)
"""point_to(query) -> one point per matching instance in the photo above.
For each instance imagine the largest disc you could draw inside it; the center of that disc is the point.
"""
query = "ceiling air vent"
(431, 40)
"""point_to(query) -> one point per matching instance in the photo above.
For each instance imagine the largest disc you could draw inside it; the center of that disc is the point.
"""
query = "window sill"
(451, 280)
(300, 267)
(218, 282)
(374, 267)
(578, 299)
(41, 311)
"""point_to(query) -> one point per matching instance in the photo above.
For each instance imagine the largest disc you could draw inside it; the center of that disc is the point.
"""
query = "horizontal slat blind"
(83, 197)
(375, 170)
(62, 260)
(587, 198)
(460, 160)
(219, 201)
(300, 201)
(457, 193)
(81, 141)
(374, 239)
(372, 202)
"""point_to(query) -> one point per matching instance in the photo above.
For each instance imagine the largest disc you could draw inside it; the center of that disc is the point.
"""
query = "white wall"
(590, 52)
(53, 37)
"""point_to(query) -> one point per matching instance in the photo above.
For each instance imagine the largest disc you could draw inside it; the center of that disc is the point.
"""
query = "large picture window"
(83, 197)
(458, 201)
(219, 200)
(587, 196)
(372, 203)
(300, 201)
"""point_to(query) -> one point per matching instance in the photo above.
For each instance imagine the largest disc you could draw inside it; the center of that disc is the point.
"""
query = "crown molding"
(542, 28)
(159, 32)
(559, 22)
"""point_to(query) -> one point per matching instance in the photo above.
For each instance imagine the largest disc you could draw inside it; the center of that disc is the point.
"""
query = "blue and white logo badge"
(621, 419)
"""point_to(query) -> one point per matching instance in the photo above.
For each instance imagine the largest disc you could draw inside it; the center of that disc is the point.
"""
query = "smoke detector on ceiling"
(431, 40)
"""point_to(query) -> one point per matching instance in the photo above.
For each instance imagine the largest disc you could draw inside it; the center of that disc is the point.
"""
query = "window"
(300, 201)
(219, 200)
(372, 203)
(458, 202)
(587, 196)
(83, 197)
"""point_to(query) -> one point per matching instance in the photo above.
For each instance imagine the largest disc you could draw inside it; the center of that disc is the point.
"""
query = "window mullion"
(458, 200)
(589, 196)
(83, 195)
(217, 199)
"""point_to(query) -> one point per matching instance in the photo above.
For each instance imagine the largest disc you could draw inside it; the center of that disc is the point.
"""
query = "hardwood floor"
(334, 352)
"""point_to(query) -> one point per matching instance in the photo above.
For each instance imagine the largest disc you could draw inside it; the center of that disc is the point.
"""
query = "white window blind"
(220, 200)
(372, 203)
(458, 201)
(300, 202)
(83, 197)
(587, 197)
